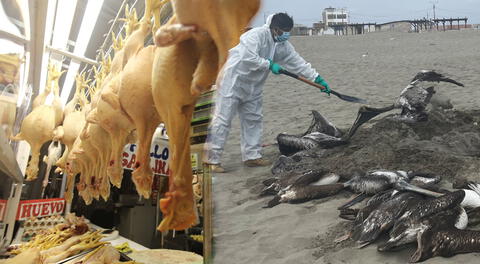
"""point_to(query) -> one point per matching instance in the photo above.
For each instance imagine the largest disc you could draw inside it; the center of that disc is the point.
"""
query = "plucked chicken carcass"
(37, 128)
(89, 156)
(176, 111)
(96, 144)
(107, 87)
(136, 98)
(74, 119)
(224, 20)
(78, 162)
(180, 73)
(30, 256)
(109, 113)
(74, 166)
(72, 246)
(117, 124)
(103, 255)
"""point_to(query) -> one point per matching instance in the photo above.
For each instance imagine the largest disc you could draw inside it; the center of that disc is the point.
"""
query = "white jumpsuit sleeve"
(288, 58)
(251, 44)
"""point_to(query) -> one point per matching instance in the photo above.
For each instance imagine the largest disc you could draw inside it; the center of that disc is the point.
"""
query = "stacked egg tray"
(34, 226)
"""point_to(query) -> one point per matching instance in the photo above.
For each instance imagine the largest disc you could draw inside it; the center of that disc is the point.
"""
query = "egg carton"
(34, 226)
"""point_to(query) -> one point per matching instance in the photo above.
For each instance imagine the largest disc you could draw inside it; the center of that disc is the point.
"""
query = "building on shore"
(335, 16)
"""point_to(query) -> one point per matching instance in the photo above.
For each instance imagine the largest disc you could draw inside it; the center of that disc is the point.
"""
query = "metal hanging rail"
(71, 55)
(13, 37)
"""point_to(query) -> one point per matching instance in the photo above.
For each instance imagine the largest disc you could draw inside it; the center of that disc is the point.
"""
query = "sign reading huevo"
(3, 206)
(40, 208)
(159, 154)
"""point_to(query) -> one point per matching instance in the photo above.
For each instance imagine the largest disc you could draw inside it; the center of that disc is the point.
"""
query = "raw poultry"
(89, 158)
(39, 125)
(199, 56)
(134, 93)
(74, 119)
(118, 113)
(135, 98)
(37, 128)
(106, 110)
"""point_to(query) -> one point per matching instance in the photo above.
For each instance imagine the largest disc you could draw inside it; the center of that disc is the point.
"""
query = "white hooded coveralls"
(240, 89)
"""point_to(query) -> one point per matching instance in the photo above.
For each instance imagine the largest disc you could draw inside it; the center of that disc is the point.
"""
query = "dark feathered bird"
(383, 217)
(321, 133)
(412, 101)
(303, 193)
(407, 226)
(446, 243)
(376, 181)
(302, 187)
(432, 76)
(274, 185)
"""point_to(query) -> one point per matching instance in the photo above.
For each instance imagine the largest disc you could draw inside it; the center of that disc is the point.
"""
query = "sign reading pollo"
(40, 208)
(3, 206)
(159, 154)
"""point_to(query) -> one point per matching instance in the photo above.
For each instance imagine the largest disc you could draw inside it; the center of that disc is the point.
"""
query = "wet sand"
(376, 67)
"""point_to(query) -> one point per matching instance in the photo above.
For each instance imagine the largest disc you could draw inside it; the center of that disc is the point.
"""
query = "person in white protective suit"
(261, 50)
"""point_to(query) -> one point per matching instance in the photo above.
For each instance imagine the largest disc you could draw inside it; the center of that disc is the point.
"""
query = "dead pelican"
(321, 133)
(376, 181)
(383, 217)
(412, 101)
(302, 187)
(314, 177)
(410, 223)
(446, 243)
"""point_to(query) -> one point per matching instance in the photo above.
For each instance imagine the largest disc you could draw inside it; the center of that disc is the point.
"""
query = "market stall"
(73, 203)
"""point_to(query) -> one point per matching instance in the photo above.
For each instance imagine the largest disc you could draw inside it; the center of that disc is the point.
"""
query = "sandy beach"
(374, 66)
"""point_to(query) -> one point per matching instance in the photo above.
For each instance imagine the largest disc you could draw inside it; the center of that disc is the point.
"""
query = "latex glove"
(274, 67)
(322, 82)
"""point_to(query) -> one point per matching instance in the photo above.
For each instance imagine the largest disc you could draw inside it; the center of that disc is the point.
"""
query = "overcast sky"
(308, 11)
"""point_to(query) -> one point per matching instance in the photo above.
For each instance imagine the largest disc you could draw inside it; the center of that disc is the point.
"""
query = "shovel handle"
(291, 74)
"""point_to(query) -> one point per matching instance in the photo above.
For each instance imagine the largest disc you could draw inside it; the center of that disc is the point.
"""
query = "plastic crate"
(198, 139)
(204, 113)
(199, 130)
(205, 98)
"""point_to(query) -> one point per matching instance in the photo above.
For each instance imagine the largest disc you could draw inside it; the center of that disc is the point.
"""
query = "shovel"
(339, 95)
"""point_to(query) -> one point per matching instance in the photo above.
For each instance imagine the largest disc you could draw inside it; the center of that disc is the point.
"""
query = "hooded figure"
(240, 87)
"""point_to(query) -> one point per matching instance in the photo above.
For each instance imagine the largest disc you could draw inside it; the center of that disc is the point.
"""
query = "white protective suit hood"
(269, 20)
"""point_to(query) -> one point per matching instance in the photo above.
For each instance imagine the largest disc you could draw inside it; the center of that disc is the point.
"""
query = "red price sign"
(40, 208)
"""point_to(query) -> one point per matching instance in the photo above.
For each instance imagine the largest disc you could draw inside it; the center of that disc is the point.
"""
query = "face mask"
(284, 37)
